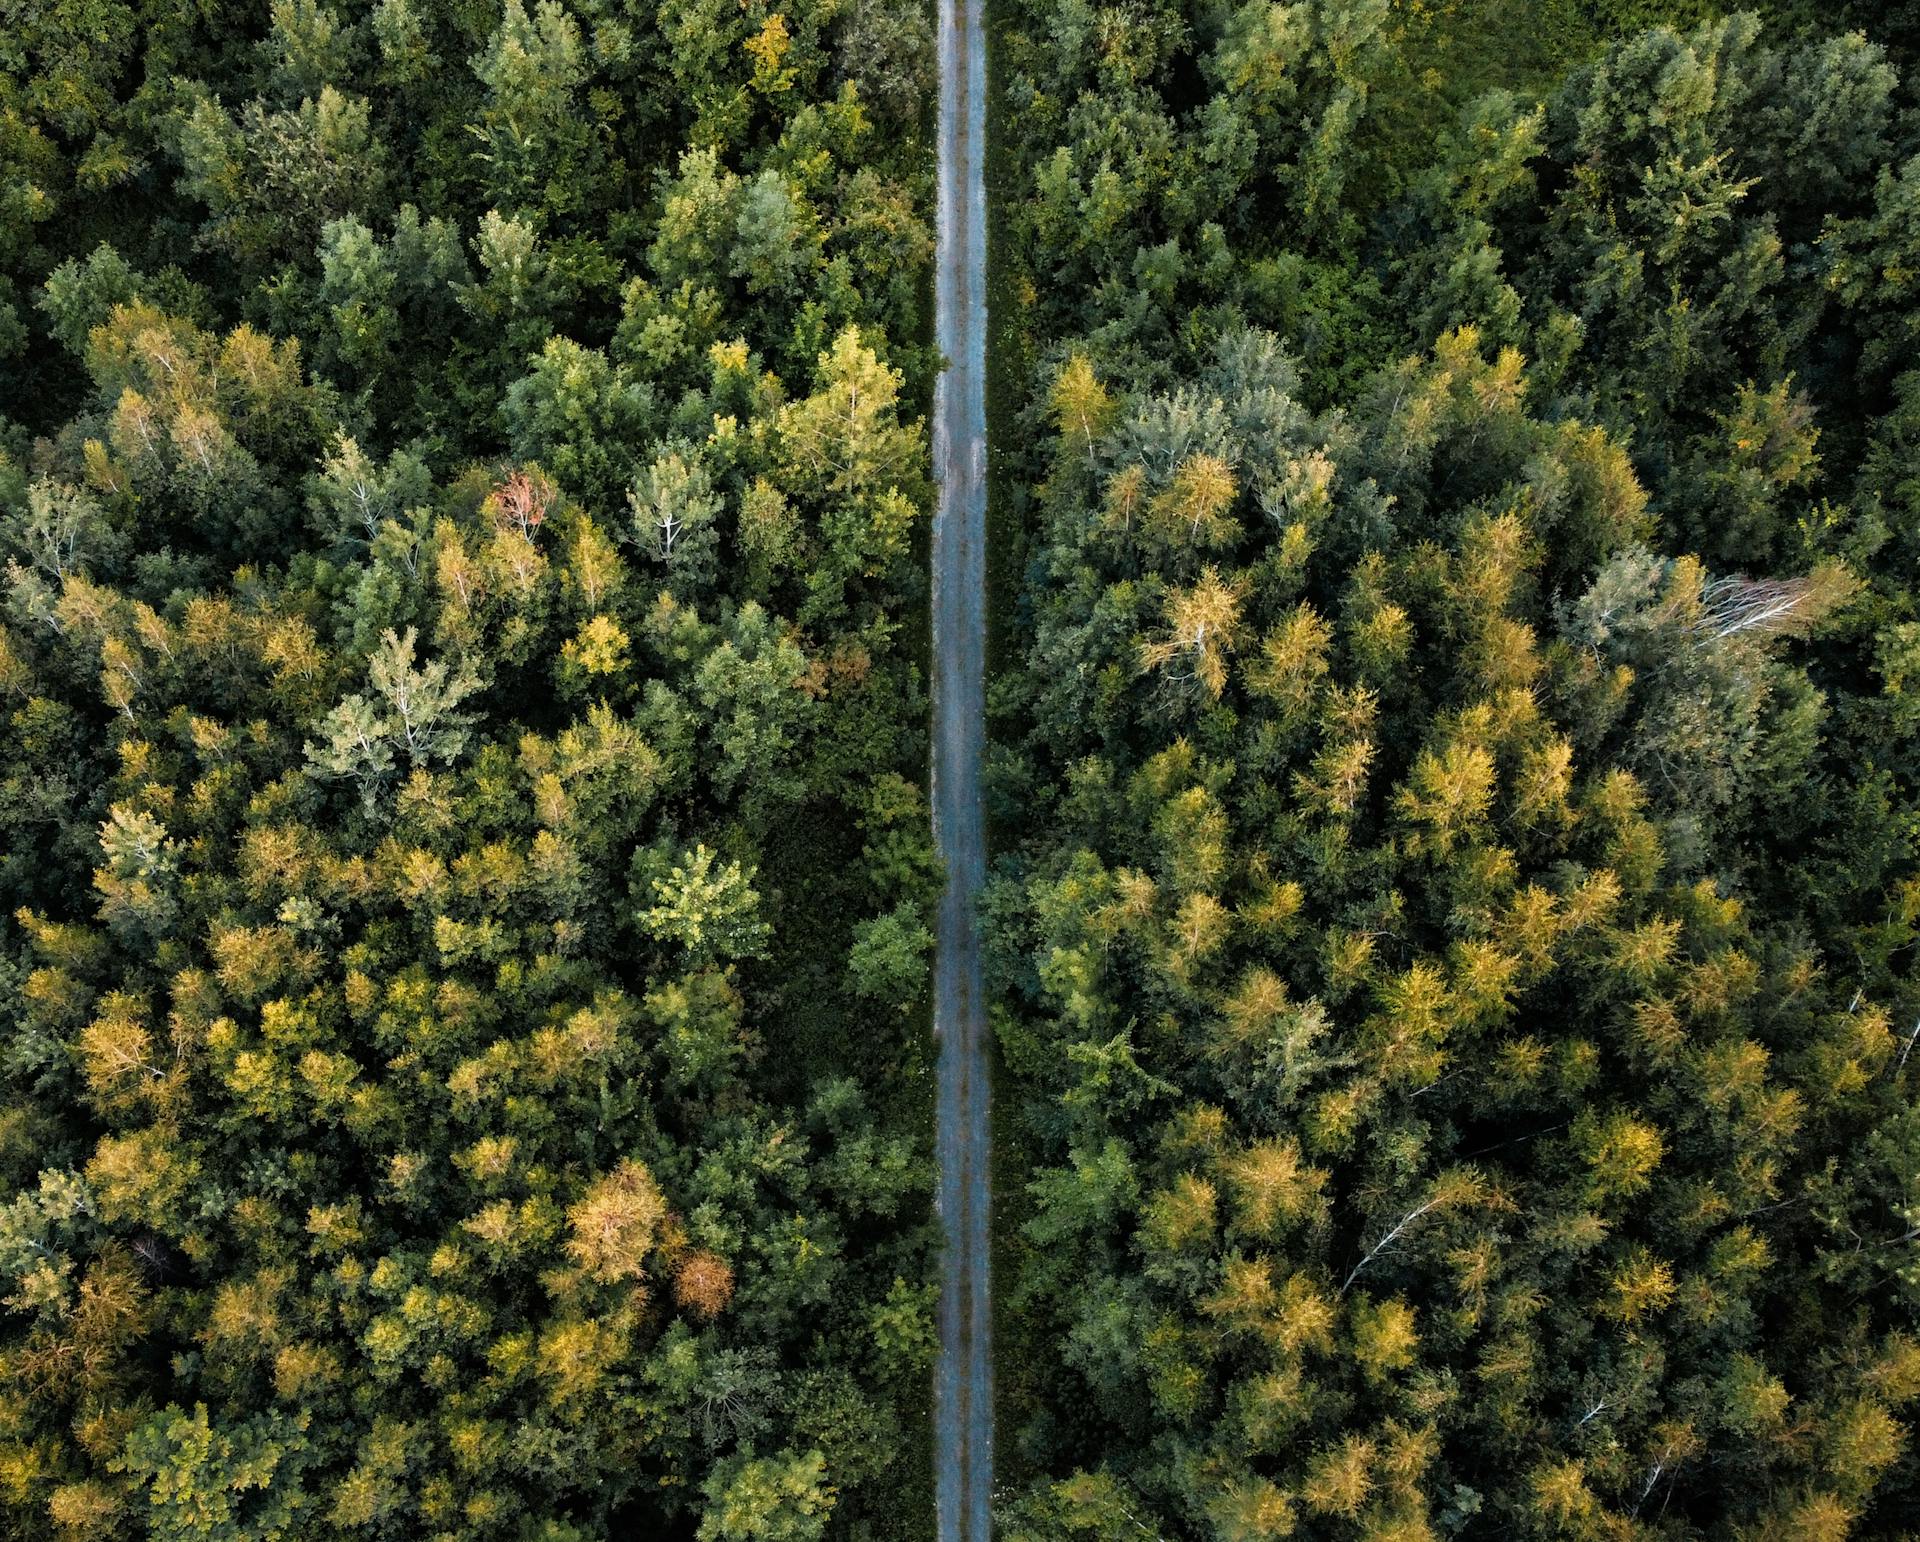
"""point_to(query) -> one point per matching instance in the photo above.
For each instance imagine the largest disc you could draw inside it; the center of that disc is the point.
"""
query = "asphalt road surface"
(963, 1376)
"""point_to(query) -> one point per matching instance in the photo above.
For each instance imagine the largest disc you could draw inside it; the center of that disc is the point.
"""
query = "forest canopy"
(462, 788)
(466, 874)
(1455, 765)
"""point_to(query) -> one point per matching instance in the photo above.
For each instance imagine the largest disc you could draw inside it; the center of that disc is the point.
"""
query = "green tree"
(536, 144)
(226, 1482)
(888, 960)
(782, 1499)
(712, 911)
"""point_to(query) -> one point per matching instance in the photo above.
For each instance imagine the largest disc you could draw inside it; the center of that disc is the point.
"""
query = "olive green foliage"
(1457, 922)
(466, 876)
(459, 474)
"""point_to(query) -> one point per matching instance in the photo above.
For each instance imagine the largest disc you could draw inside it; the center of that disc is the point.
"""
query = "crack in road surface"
(963, 1377)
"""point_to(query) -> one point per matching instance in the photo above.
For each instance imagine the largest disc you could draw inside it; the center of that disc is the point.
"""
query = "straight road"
(963, 1377)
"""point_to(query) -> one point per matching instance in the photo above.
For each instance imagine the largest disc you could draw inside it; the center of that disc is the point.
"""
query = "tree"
(785, 1498)
(536, 145)
(614, 1224)
(887, 51)
(272, 180)
(710, 911)
(888, 960)
(1203, 625)
(353, 497)
(674, 514)
(414, 712)
(774, 240)
(225, 1482)
(1081, 405)
(845, 439)
(578, 416)
(759, 718)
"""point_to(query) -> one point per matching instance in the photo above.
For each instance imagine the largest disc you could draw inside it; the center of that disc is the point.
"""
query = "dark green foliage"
(1456, 929)
(465, 874)
(437, 589)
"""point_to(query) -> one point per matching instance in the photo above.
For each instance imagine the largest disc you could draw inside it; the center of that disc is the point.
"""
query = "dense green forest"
(464, 845)
(465, 868)
(1457, 771)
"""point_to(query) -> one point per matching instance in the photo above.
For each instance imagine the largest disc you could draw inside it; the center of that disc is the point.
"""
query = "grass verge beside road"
(1017, 1348)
